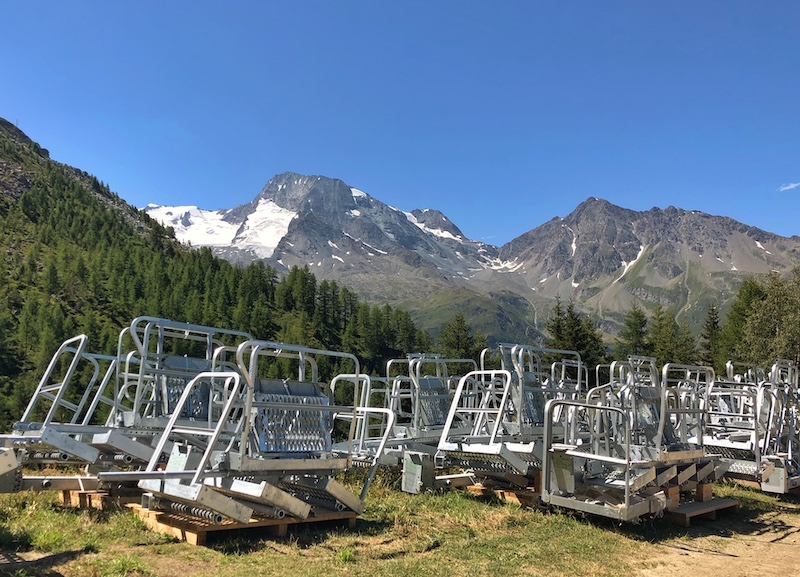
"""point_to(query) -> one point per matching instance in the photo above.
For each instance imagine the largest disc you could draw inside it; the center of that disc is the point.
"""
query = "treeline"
(762, 326)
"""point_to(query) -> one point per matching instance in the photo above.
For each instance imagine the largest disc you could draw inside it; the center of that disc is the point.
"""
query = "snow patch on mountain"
(761, 246)
(264, 228)
(194, 225)
(504, 266)
(261, 231)
(434, 231)
(626, 266)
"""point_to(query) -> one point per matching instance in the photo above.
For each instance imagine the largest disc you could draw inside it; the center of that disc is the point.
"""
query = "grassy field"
(447, 534)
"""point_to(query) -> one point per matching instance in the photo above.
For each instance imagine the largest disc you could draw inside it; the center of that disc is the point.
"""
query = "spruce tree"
(772, 328)
(709, 346)
(569, 330)
(661, 335)
(685, 350)
(731, 335)
(457, 340)
(632, 339)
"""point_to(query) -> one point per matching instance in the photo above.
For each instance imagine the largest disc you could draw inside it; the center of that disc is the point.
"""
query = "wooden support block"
(76, 498)
(673, 494)
(100, 500)
(279, 530)
(518, 480)
(704, 492)
(93, 500)
(521, 497)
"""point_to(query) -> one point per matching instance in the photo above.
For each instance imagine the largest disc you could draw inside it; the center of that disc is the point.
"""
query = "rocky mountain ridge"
(602, 256)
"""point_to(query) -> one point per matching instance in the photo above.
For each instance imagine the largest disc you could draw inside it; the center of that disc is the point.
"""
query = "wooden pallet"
(704, 505)
(684, 513)
(196, 531)
(527, 497)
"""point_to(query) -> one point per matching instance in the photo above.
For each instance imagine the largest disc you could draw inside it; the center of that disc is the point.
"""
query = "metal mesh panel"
(292, 430)
(434, 401)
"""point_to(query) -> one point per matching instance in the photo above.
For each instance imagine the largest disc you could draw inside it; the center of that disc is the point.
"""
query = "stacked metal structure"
(753, 425)
(414, 397)
(496, 423)
(218, 425)
(201, 419)
(632, 445)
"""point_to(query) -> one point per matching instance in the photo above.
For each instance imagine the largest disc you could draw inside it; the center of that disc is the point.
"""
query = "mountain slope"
(606, 258)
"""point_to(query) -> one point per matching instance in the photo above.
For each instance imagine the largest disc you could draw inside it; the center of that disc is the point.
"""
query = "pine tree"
(670, 341)
(685, 350)
(772, 328)
(571, 332)
(457, 340)
(555, 326)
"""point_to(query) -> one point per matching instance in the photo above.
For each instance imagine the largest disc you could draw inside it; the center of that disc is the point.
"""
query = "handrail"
(57, 400)
(625, 417)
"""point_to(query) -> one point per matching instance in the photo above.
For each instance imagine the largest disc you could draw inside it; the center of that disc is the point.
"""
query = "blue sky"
(501, 114)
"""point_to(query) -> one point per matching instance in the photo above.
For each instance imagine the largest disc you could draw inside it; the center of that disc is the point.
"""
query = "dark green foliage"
(457, 340)
(632, 339)
(772, 328)
(670, 341)
(569, 330)
(709, 347)
(730, 338)
(763, 325)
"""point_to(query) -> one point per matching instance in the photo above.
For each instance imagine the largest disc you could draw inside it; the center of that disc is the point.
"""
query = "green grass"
(444, 534)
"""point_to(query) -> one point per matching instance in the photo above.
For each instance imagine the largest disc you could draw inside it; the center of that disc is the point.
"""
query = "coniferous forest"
(77, 259)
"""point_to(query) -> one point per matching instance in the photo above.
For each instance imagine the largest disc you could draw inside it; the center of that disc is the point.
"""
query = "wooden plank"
(666, 475)
(686, 474)
(705, 471)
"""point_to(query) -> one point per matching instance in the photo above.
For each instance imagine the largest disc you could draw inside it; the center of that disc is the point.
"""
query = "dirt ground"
(766, 544)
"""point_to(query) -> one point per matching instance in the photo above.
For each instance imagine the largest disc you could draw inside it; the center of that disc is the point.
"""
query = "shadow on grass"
(301, 535)
(11, 564)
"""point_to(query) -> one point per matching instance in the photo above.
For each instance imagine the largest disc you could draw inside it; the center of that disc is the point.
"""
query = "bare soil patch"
(733, 546)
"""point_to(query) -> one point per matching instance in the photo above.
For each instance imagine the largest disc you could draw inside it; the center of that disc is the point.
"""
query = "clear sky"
(502, 114)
